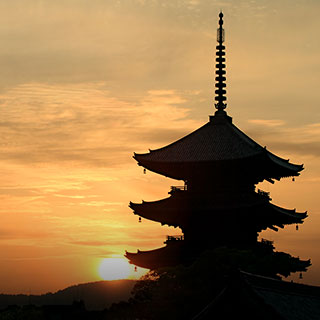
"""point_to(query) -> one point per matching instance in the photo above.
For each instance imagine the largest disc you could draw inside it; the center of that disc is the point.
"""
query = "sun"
(114, 269)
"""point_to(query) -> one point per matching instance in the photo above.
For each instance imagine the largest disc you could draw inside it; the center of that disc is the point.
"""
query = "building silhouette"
(218, 204)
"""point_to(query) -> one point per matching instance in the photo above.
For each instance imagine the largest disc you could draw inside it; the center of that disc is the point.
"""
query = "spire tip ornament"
(220, 66)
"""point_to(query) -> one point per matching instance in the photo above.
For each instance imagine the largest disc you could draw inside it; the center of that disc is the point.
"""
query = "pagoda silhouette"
(218, 205)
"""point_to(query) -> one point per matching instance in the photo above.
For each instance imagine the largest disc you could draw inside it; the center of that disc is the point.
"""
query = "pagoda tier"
(243, 215)
(218, 152)
(177, 252)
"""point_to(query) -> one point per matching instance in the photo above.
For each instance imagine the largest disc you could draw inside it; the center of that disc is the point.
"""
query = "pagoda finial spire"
(220, 66)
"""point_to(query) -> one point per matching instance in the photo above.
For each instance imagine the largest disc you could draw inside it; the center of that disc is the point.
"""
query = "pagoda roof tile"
(218, 141)
(211, 142)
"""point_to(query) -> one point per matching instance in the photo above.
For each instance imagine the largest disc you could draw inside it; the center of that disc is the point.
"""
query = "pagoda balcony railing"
(267, 244)
(264, 194)
(179, 188)
(174, 239)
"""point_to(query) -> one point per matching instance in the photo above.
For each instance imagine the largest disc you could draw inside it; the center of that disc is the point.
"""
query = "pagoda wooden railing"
(174, 238)
(179, 188)
(267, 243)
(264, 194)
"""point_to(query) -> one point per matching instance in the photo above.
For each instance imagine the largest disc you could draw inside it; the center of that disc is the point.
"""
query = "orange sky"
(84, 84)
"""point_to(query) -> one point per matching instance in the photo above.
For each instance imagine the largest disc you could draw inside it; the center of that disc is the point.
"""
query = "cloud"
(86, 41)
(71, 197)
(23, 236)
(279, 136)
(84, 124)
(303, 149)
(101, 204)
(90, 243)
(268, 123)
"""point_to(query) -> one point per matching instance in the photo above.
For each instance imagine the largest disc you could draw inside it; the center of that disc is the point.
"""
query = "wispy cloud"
(84, 124)
(267, 123)
(276, 134)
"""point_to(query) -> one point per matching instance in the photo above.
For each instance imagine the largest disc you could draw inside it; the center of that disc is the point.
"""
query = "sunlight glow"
(114, 269)
(117, 268)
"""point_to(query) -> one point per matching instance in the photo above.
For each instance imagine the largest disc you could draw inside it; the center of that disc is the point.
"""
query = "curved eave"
(139, 209)
(187, 169)
(169, 255)
(160, 211)
(290, 213)
(278, 217)
(286, 168)
(263, 165)
(263, 213)
(177, 209)
(166, 169)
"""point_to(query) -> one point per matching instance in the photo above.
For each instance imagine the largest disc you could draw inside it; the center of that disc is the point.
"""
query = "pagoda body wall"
(219, 215)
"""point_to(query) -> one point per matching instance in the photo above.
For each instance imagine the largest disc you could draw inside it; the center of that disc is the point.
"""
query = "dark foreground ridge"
(97, 295)
(211, 288)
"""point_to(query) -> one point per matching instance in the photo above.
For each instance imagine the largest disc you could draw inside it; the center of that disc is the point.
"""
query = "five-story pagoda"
(218, 204)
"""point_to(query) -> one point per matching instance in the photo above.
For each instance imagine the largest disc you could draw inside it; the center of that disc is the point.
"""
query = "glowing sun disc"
(114, 269)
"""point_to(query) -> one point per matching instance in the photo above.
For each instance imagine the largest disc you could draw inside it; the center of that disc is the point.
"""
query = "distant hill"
(96, 295)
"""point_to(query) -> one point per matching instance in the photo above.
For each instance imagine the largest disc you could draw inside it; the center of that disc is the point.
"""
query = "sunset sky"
(85, 83)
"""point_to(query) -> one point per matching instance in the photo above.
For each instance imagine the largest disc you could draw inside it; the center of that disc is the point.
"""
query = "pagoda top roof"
(219, 140)
(218, 146)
